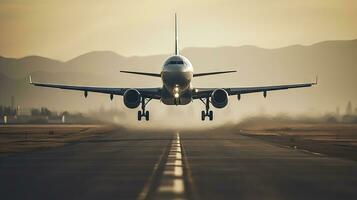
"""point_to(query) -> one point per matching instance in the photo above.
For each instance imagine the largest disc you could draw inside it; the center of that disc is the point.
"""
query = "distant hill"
(335, 62)
(18, 68)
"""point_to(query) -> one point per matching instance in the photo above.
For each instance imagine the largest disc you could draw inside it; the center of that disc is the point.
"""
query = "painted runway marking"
(167, 180)
(175, 163)
(144, 194)
(172, 183)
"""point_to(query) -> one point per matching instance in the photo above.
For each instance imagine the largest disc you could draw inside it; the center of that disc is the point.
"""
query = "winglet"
(30, 79)
(316, 79)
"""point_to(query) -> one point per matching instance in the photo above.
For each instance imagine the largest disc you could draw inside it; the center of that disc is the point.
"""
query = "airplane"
(177, 74)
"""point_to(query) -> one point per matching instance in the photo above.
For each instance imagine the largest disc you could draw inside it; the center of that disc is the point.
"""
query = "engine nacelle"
(132, 98)
(219, 98)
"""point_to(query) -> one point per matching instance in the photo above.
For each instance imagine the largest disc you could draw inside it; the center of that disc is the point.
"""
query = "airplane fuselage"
(176, 75)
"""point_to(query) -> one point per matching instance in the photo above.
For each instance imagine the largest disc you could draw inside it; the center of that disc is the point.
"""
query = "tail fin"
(176, 36)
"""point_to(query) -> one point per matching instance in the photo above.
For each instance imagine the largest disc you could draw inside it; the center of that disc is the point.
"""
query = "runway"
(176, 165)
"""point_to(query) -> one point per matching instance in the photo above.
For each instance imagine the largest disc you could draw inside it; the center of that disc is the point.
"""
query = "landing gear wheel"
(139, 115)
(210, 115)
(142, 112)
(206, 113)
(147, 114)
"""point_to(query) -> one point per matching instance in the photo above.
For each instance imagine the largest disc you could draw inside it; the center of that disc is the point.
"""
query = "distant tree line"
(7, 110)
(43, 112)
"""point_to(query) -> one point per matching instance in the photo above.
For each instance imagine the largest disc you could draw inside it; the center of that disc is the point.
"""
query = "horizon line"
(191, 47)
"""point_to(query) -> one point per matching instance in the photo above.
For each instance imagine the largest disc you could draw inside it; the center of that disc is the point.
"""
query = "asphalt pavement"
(175, 165)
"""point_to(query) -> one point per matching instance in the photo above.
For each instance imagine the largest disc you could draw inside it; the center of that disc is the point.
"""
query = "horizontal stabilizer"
(142, 73)
(212, 73)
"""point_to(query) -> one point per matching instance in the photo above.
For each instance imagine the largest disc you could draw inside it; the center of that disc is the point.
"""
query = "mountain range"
(335, 63)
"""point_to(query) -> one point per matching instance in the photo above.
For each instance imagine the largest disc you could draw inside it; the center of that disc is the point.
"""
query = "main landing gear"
(207, 113)
(142, 112)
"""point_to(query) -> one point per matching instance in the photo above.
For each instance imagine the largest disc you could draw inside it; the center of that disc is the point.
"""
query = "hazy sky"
(64, 29)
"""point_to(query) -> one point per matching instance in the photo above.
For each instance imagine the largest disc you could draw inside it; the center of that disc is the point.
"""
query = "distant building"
(349, 108)
(12, 103)
(23, 111)
(63, 119)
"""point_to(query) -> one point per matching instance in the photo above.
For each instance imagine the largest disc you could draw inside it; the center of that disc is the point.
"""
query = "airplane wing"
(153, 93)
(142, 73)
(206, 92)
(212, 73)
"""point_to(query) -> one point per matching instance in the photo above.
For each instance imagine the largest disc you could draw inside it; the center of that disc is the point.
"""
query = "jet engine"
(132, 98)
(219, 98)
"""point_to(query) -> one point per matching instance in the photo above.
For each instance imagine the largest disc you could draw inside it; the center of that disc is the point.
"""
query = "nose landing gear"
(142, 112)
(206, 113)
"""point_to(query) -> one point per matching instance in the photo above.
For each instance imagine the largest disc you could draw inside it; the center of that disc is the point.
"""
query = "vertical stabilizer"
(176, 36)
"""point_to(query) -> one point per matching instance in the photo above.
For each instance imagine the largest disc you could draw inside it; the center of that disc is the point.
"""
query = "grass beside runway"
(338, 140)
(22, 138)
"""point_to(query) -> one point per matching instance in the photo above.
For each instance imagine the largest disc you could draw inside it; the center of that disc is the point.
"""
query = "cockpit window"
(173, 62)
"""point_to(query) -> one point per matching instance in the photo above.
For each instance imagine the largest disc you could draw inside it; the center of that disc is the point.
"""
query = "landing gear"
(207, 113)
(142, 112)
(145, 114)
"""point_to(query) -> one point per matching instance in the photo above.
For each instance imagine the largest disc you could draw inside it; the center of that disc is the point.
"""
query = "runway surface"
(175, 165)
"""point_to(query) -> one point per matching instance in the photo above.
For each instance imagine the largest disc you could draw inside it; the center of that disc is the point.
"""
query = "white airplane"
(177, 74)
